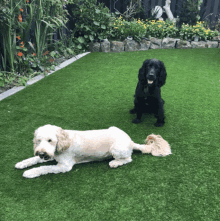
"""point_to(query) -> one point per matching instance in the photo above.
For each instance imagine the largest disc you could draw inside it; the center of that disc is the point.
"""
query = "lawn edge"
(39, 77)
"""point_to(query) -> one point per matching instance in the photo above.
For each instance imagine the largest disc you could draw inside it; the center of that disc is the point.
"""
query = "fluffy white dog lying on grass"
(69, 147)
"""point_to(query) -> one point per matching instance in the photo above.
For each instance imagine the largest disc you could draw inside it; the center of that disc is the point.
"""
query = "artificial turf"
(96, 92)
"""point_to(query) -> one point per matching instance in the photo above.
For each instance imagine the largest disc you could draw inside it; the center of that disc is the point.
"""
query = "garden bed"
(16, 82)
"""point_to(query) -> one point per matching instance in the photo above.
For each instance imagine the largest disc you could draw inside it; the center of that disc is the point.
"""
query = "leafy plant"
(136, 29)
(65, 45)
(92, 20)
(188, 32)
(170, 29)
(122, 29)
(155, 28)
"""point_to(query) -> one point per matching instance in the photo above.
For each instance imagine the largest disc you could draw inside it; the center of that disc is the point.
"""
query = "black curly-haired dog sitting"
(152, 76)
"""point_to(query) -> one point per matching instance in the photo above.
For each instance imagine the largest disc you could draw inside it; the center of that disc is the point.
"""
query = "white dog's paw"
(20, 165)
(32, 173)
(113, 164)
(117, 163)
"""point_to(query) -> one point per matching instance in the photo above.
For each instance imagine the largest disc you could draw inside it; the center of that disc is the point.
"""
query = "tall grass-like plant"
(8, 22)
(20, 52)
(49, 17)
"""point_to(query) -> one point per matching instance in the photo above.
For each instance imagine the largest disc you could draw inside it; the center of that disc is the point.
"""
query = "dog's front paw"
(132, 111)
(113, 164)
(136, 121)
(159, 124)
(20, 165)
(32, 173)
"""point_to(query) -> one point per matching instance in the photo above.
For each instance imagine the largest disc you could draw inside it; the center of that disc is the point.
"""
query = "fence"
(211, 6)
(207, 7)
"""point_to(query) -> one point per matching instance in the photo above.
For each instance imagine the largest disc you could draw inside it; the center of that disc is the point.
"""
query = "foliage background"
(37, 34)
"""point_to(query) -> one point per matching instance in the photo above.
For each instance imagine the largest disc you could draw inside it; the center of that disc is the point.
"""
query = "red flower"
(20, 18)
(27, 1)
(18, 37)
(45, 53)
(20, 54)
(34, 54)
(22, 44)
(21, 10)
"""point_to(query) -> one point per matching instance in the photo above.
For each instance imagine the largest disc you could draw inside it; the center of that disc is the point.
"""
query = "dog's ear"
(142, 72)
(162, 75)
(35, 140)
(63, 140)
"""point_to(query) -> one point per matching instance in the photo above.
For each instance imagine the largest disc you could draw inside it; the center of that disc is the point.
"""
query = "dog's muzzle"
(151, 78)
(150, 82)
(43, 155)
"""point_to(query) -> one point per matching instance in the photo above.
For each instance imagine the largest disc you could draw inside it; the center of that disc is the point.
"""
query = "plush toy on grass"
(157, 146)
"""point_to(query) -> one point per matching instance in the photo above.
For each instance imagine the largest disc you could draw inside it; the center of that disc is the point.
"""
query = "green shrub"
(188, 32)
(122, 29)
(161, 29)
(155, 29)
(92, 20)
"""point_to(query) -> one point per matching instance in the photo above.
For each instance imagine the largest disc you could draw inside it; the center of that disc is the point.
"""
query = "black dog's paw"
(159, 124)
(132, 111)
(136, 121)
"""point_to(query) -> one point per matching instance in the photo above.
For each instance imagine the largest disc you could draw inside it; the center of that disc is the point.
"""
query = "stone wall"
(152, 43)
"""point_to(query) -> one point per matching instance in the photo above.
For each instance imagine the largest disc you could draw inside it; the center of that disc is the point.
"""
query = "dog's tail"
(142, 147)
(155, 145)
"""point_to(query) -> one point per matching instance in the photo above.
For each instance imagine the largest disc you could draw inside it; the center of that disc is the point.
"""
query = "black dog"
(152, 76)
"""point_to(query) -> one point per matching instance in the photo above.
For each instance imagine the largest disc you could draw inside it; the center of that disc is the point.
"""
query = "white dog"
(69, 147)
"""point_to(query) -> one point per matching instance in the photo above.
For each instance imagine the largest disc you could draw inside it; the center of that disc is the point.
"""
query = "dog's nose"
(42, 155)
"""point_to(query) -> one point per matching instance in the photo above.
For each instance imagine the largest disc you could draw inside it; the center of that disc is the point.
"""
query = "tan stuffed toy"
(157, 146)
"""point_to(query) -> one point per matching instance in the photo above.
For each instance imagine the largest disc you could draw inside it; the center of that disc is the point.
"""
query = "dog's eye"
(49, 140)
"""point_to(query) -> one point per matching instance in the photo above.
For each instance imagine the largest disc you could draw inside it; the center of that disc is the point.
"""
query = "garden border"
(151, 43)
(39, 77)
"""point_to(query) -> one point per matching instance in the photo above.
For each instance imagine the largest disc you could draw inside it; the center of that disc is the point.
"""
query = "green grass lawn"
(96, 92)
